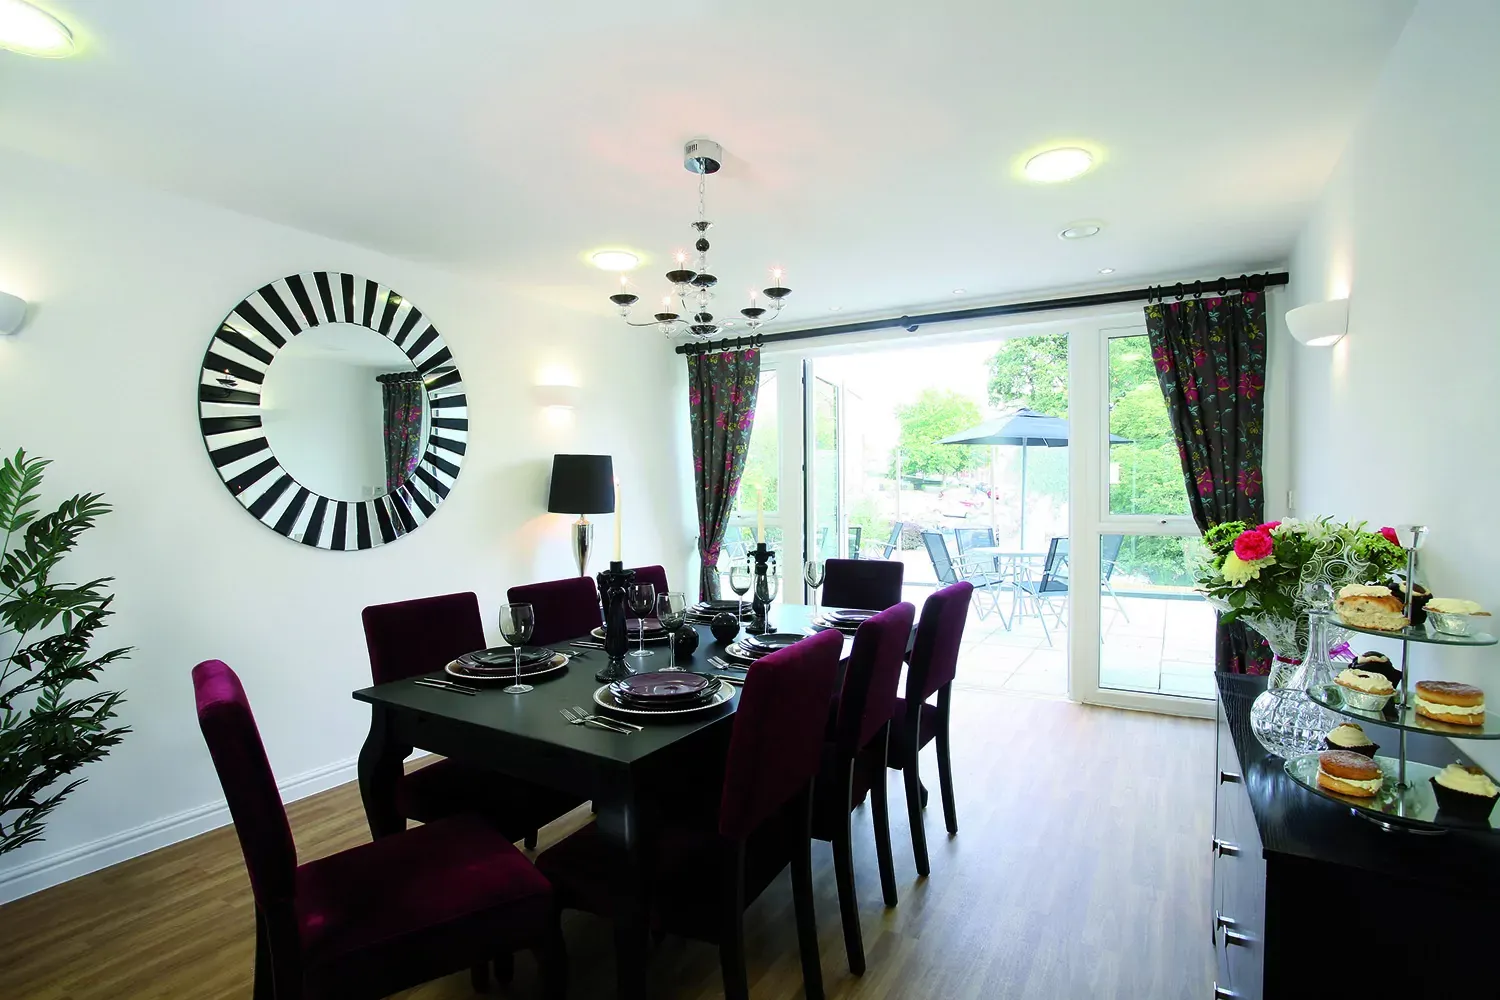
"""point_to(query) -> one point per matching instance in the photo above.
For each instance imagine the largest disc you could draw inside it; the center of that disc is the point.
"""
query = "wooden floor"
(1081, 870)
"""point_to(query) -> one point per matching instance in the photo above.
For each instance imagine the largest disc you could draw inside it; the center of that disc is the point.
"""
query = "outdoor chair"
(1043, 595)
(987, 585)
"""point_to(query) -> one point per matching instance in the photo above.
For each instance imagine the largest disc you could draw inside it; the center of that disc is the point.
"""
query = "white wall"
(127, 287)
(1401, 420)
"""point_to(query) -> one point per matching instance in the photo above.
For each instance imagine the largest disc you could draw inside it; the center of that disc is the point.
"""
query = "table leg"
(623, 823)
(379, 769)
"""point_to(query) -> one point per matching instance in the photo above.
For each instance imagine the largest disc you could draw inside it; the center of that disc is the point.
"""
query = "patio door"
(1143, 637)
(824, 416)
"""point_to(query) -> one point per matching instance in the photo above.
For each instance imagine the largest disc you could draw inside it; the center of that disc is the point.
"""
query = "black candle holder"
(761, 603)
(612, 586)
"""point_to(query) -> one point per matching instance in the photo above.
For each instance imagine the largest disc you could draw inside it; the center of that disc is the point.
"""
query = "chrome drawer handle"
(1229, 778)
(1220, 993)
(1225, 849)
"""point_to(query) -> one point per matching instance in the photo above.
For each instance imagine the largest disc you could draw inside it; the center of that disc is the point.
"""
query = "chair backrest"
(934, 652)
(894, 540)
(1110, 555)
(970, 538)
(856, 537)
(1055, 569)
(870, 584)
(564, 609)
(239, 757)
(872, 678)
(937, 551)
(408, 638)
(654, 575)
(776, 745)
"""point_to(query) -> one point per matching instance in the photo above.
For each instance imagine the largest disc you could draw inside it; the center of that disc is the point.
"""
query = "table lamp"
(582, 484)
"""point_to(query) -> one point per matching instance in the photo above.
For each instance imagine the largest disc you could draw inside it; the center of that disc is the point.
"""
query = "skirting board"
(73, 862)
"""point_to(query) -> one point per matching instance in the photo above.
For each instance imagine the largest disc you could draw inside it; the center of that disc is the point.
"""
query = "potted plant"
(48, 729)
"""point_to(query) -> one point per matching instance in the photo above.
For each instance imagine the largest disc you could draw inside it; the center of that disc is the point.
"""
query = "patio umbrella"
(1023, 429)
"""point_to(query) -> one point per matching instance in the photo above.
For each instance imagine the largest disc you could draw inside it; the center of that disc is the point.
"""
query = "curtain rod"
(1149, 293)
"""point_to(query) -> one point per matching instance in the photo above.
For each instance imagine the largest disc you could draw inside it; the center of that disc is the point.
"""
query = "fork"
(586, 715)
(567, 713)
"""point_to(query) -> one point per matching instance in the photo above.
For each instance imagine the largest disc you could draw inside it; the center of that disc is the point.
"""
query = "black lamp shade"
(582, 484)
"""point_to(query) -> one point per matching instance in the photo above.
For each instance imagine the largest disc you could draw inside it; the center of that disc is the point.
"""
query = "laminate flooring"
(1081, 870)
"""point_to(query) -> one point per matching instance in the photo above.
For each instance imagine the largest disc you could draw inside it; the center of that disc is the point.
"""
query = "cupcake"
(1373, 607)
(1364, 689)
(1464, 791)
(1451, 702)
(1378, 663)
(1455, 616)
(1346, 773)
(1419, 597)
(1351, 737)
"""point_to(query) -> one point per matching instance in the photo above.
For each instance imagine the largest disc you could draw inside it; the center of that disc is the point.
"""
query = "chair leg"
(530, 841)
(945, 762)
(505, 967)
(552, 963)
(732, 933)
(881, 815)
(843, 872)
(802, 901)
(265, 975)
(914, 810)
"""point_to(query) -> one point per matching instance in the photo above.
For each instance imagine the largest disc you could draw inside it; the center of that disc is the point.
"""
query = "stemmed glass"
(642, 600)
(671, 611)
(516, 623)
(741, 578)
(813, 571)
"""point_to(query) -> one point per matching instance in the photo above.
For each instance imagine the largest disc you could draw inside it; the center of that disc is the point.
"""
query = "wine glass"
(516, 623)
(741, 578)
(813, 572)
(642, 600)
(671, 611)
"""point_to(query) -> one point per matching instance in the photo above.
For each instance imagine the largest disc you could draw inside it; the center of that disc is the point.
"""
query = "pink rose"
(1389, 534)
(1269, 526)
(1253, 545)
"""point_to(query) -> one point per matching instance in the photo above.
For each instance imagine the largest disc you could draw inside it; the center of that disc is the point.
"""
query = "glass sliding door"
(825, 473)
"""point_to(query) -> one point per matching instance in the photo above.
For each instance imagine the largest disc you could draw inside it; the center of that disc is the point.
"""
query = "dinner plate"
(606, 699)
(735, 651)
(771, 642)
(848, 615)
(652, 638)
(504, 656)
(661, 685)
(492, 674)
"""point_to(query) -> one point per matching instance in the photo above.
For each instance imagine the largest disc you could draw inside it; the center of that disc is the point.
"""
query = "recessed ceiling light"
(32, 31)
(1057, 165)
(959, 291)
(1106, 270)
(1080, 232)
(834, 309)
(614, 260)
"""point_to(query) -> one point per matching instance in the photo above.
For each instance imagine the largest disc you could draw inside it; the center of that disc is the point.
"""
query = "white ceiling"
(871, 145)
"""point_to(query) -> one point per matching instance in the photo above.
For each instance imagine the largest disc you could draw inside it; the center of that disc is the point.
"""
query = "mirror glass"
(345, 411)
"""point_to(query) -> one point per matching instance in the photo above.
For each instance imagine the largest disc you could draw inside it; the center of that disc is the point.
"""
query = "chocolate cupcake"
(1419, 598)
(1379, 663)
(1351, 737)
(1466, 792)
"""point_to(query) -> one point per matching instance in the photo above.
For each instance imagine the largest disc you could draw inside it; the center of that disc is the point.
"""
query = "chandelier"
(686, 308)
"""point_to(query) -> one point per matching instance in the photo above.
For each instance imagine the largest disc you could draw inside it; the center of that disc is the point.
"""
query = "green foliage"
(761, 477)
(936, 414)
(1031, 372)
(46, 731)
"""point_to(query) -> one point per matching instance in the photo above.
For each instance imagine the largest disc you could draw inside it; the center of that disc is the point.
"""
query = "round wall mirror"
(333, 411)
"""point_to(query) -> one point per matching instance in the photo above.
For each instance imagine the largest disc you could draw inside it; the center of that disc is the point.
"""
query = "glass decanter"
(1286, 721)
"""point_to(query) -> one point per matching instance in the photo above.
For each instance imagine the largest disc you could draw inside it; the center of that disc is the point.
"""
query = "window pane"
(1156, 633)
(1145, 472)
(761, 479)
(825, 469)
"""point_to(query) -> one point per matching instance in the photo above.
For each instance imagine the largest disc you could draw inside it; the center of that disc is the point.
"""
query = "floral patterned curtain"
(1210, 359)
(722, 387)
(403, 397)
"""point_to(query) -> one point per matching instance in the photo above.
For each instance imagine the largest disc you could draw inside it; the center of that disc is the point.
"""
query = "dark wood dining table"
(527, 737)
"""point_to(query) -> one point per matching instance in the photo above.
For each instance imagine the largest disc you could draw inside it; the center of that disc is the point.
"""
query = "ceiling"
(872, 147)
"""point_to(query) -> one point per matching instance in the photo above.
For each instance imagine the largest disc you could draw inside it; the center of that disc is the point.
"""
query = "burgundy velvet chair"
(710, 865)
(871, 584)
(410, 638)
(934, 664)
(565, 609)
(380, 917)
(654, 575)
(854, 762)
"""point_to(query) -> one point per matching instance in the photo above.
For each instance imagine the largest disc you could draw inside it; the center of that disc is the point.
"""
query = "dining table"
(526, 736)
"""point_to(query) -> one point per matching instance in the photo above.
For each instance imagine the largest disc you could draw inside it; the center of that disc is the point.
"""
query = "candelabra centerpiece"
(686, 308)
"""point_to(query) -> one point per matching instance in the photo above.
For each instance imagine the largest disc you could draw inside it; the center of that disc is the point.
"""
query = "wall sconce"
(1319, 324)
(12, 313)
(562, 397)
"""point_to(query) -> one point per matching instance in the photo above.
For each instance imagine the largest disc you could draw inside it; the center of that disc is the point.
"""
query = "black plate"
(505, 656)
(772, 642)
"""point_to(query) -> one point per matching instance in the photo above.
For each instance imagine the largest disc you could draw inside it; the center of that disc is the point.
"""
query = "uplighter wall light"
(12, 313)
(1319, 324)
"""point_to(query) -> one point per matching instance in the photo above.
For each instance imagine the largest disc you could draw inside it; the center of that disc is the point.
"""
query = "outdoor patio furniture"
(987, 585)
(1043, 594)
(973, 538)
(1109, 555)
(888, 547)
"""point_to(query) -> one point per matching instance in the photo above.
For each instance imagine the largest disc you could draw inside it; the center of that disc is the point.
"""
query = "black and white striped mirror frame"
(229, 414)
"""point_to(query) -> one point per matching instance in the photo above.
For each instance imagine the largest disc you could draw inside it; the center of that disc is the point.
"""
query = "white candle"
(760, 516)
(618, 508)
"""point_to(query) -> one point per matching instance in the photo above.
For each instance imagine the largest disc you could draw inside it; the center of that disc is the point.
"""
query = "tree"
(936, 414)
(45, 733)
(1031, 372)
